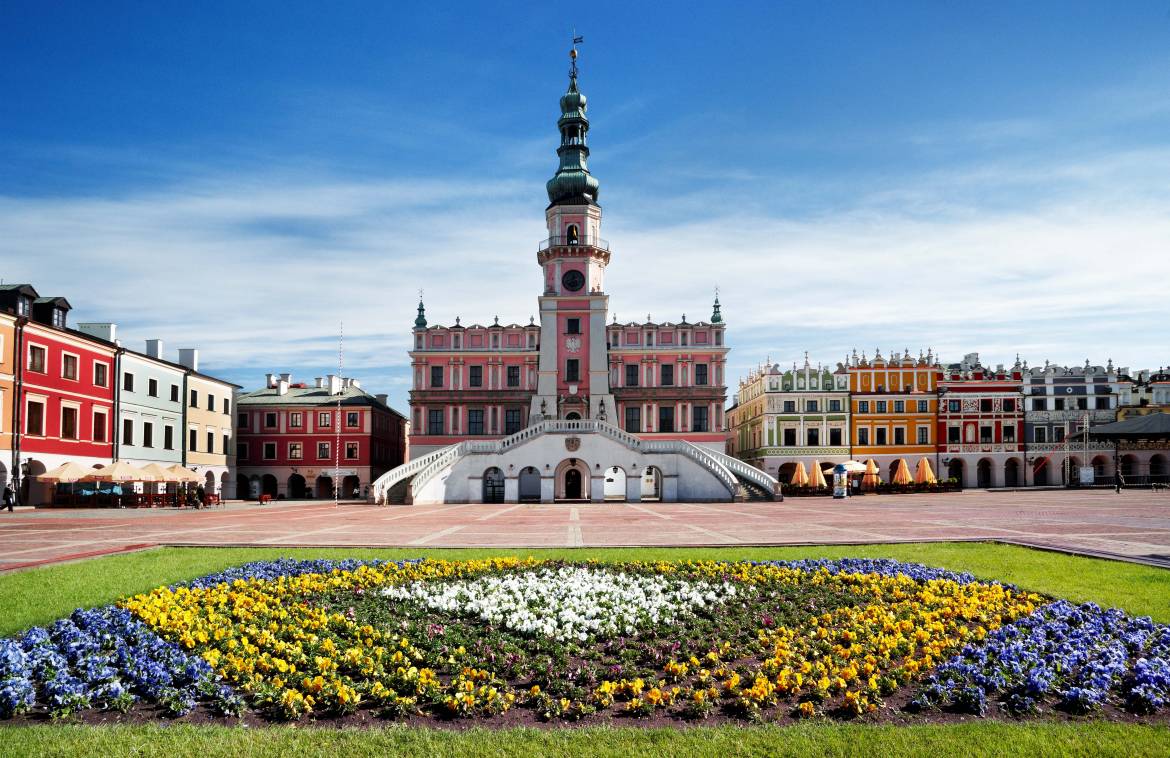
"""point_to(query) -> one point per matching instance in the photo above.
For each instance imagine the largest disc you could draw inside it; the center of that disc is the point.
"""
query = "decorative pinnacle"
(420, 321)
(577, 40)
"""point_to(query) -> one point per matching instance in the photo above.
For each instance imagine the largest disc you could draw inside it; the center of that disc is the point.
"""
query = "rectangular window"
(899, 436)
(513, 376)
(127, 431)
(227, 443)
(954, 435)
(880, 436)
(790, 406)
(323, 451)
(572, 370)
(814, 437)
(899, 406)
(985, 435)
(36, 359)
(435, 421)
(834, 406)
(169, 437)
(572, 326)
(1009, 405)
(1102, 403)
(147, 434)
(1040, 434)
(1060, 403)
(863, 406)
(351, 451)
(324, 419)
(1058, 434)
(924, 406)
(210, 402)
(194, 401)
(193, 440)
(269, 420)
(127, 382)
(152, 387)
(701, 374)
(811, 406)
(923, 435)
(227, 407)
(269, 451)
(1083, 403)
(985, 405)
(475, 421)
(99, 426)
(296, 451)
(211, 442)
(101, 374)
(352, 418)
(242, 420)
(631, 375)
(633, 419)
(511, 420)
(863, 436)
(475, 376)
(667, 375)
(68, 423)
(789, 438)
(242, 451)
(879, 406)
(700, 418)
(835, 437)
(666, 419)
(69, 366)
(1037, 403)
(174, 393)
(1009, 434)
(436, 376)
(295, 419)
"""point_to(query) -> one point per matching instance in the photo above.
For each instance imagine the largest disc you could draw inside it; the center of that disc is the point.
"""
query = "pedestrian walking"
(9, 497)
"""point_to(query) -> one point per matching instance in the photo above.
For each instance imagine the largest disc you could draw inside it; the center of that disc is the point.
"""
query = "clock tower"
(573, 379)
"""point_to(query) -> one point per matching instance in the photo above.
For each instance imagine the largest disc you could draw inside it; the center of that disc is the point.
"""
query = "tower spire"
(573, 184)
(716, 314)
(420, 321)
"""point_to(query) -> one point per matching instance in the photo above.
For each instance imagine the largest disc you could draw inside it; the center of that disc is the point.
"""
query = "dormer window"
(23, 306)
(59, 318)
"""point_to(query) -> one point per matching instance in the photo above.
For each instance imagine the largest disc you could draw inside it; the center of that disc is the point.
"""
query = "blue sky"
(240, 177)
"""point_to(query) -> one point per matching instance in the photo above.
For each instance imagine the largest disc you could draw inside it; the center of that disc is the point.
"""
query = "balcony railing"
(580, 241)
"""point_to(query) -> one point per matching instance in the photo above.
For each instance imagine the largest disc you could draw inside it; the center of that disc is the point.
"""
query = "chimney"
(189, 357)
(334, 384)
(319, 382)
(383, 398)
(286, 378)
(357, 385)
(103, 331)
(282, 385)
(154, 348)
(270, 380)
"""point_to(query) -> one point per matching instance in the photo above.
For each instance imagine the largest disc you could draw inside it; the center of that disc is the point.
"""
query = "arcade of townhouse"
(1009, 426)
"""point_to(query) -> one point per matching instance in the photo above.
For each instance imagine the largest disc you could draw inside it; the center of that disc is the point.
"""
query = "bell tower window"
(571, 234)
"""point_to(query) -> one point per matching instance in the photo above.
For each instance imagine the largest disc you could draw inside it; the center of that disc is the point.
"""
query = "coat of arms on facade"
(573, 344)
(572, 444)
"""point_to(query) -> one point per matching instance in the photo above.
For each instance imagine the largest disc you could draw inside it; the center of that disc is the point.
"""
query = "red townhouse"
(981, 424)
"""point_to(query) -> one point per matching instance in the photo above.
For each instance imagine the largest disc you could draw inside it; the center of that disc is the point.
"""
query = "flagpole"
(337, 415)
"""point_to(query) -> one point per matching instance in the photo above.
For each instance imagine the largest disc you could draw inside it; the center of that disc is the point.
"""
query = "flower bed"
(541, 640)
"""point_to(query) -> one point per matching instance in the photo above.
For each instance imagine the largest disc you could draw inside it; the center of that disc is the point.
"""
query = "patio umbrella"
(817, 477)
(853, 467)
(870, 480)
(159, 473)
(799, 476)
(66, 472)
(902, 475)
(924, 474)
(118, 472)
(182, 474)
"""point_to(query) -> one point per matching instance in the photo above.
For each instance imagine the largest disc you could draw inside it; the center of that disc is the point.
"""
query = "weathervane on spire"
(577, 40)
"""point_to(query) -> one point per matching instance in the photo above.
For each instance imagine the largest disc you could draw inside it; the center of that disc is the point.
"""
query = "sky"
(253, 178)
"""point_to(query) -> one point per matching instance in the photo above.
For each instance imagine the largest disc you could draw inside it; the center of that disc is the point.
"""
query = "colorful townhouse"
(1060, 401)
(981, 424)
(894, 409)
(65, 391)
(780, 418)
(7, 395)
(209, 418)
(292, 439)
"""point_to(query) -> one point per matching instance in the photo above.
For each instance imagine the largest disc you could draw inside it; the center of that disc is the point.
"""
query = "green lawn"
(42, 595)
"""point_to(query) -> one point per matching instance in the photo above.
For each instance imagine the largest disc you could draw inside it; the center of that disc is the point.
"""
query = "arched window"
(571, 234)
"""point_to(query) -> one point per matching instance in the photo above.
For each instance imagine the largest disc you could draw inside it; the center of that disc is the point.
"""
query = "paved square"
(1133, 525)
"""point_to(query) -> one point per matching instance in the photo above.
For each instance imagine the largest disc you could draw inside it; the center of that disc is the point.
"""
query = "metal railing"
(579, 241)
(395, 475)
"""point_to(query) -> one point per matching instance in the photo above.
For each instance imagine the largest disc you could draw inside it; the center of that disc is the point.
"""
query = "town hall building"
(574, 406)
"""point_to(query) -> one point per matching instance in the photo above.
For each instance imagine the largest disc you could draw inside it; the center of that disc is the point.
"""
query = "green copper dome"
(573, 184)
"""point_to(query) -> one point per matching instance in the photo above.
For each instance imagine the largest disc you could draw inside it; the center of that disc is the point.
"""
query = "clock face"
(573, 280)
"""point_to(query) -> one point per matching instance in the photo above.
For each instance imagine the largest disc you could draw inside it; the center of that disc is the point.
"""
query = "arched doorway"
(615, 483)
(651, 483)
(955, 470)
(573, 489)
(224, 481)
(1072, 470)
(529, 485)
(324, 487)
(784, 475)
(1158, 471)
(893, 469)
(32, 491)
(296, 487)
(351, 487)
(1100, 468)
(3, 476)
(572, 416)
(493, 485)
(1040, 473)
(209, 483)
(1011, 473)
(983, 473)
(253, 489)
(1129, 468)
(268, 485)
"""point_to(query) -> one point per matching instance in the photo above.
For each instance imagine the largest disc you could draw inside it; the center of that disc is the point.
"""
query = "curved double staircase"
(743, 482)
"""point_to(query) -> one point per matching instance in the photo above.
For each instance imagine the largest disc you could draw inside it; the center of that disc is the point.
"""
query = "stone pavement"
(1134, 525)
